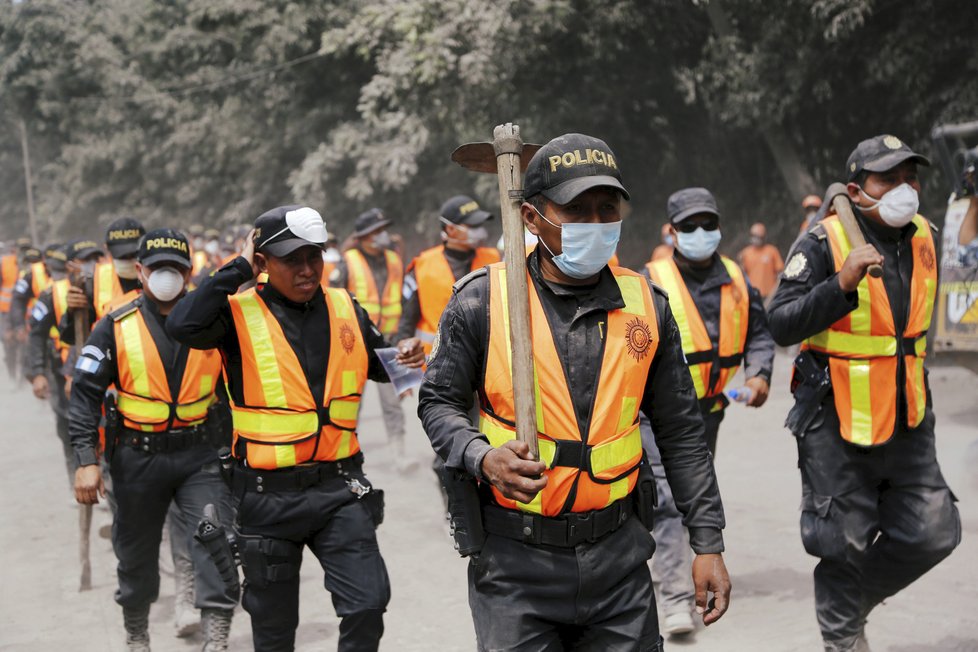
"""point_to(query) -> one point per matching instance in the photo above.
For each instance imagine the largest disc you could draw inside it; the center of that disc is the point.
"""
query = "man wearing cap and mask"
(164, 450)
(34, 281)
(429, 278)
(46, 355)
(374, 274)
(296, 358)
(108, 282)
(605, 347)
(9, 276)
(761, 261)
(875, 507)
(722, 325)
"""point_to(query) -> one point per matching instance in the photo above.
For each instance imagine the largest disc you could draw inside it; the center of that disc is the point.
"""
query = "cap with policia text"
(879, 154)
(122, 237)
(83, 248)
(55, 257)
(282, 230)
(32, 254)
(369, 221)
(164, 246)
(462, 209)
(569, 165)
(690, 201)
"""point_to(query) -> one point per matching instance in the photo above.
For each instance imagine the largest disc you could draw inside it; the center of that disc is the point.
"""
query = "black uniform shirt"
(39, 345)
(22, 295)
(809, 298)
(460, 263)
(203, 320)
(577, 316)
(97, 368)
(378, 267)
(704, 284)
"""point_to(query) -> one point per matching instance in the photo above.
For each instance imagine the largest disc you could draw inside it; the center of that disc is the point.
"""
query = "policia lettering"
(590, 157)
(612, 444)
(863, 346)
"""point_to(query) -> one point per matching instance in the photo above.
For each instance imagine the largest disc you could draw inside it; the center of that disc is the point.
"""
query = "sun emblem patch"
(347, 338)
(638, 338)
(795, 266)
(927, 258)
(892, 142)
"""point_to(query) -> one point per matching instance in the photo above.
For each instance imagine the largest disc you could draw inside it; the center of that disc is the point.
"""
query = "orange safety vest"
(384, 307)
(9, 274)
(145, 401)
(105, 288)
(697, 347)
(863, 347)
(280, 422)
(585, 470)
(435, 281)
(59, 300)
(40, 281)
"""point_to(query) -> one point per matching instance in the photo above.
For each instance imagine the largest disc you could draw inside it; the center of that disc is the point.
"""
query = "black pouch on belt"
(646, 497)
(810, 383)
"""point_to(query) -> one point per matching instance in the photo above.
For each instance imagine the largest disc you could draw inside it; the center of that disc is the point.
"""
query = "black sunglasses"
(689, 227)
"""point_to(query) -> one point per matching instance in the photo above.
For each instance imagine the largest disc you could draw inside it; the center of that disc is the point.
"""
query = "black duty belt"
(564, 531)
(170, 441)
(295, 478)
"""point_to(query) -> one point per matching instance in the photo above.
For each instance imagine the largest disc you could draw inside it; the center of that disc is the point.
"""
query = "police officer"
(374, 274)
(164, 449)
(296, 359)
(428, 282)
(876, 510)
(32, 282)
(9, 276)
(563, 564)
(107, 282)
(46, 355)
(722, 325)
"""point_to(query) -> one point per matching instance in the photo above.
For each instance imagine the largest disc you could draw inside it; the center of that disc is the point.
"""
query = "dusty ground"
(772, 606)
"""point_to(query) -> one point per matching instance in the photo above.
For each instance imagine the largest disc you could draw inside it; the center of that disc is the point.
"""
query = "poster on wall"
(957, 294)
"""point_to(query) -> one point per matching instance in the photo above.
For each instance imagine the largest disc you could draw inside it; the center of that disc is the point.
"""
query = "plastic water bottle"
(739, 394)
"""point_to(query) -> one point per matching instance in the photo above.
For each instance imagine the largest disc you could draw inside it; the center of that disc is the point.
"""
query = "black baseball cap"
(462, 209)
(569, 165)
(24, 242)
(690, 201)
(32, 254)
(82, 248)
(122, 237)
(55, 257)
(162, 246)
(369, 221)
(282, 230)
(879, 154)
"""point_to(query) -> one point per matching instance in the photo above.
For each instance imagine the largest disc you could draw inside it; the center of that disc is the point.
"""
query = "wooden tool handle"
(508, 147)
(840, 202)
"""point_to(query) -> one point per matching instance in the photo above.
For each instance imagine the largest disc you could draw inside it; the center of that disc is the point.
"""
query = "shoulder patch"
(127, 309)
(468, 278)
(796, 266)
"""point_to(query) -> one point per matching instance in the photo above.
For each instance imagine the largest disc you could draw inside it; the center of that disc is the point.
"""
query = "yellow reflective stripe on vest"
(106, 273)
(498, 434)
(261, 344)
(197, 411)
(859, 392)
(631, 293)
(135, 355)
(845, 345)
(737, 279)
(143, 410)
(616, 452)
(296, 425)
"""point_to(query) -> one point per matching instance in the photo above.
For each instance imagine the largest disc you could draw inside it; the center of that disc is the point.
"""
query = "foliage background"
(211, 111)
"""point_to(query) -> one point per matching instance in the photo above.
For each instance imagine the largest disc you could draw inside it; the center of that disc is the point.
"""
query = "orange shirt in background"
(762, 265)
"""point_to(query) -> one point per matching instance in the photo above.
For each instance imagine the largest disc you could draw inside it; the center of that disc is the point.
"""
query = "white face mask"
(475, 236)
(125, 268)
(165, 284)
(332, 255)
(213, 247)
(897, 207)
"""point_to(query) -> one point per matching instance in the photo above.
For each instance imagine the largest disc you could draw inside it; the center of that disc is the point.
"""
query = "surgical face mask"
(88, 268)
(584, 248)
(212, 247)
(332, 255)
(165, 283)
(756, 240)
(382, 240)
(698, 245)
(125, 267)
(475, 236)
(897, 207)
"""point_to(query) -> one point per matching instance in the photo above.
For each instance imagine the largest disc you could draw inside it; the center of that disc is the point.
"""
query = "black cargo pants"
(338, 528)
(878, 518)
(592, 597)
(145, 484)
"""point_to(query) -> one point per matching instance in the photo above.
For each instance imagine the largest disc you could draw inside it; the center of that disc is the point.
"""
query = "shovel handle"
(840, 202)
